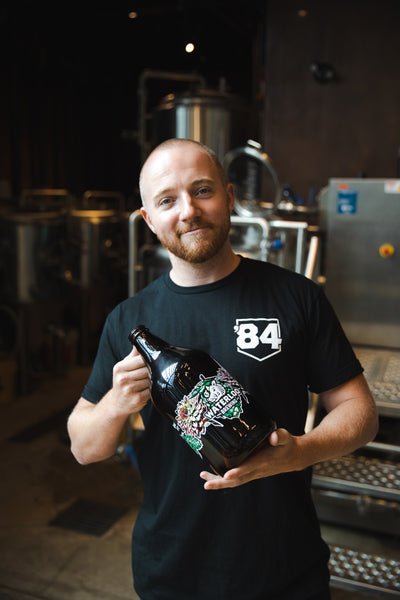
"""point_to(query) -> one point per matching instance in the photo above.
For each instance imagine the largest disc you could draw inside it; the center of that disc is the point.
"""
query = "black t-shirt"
(275, 332)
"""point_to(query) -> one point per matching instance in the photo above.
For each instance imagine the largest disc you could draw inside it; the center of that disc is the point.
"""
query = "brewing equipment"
(94, 235)
(97, 246)
(363, 258)
(255, 181)
(292, 242)
(33, 246)
(216, 118)
(362, 270)
(145, 115)
(32, 268)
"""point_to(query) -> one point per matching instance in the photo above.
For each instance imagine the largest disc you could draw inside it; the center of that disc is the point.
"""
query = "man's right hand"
(131, 384)
(95, 429)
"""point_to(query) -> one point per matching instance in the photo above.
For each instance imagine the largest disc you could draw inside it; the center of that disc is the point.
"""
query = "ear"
(231, 195)
(146, 217)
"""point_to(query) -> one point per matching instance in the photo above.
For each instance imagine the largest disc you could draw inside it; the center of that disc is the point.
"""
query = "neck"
(190, 274)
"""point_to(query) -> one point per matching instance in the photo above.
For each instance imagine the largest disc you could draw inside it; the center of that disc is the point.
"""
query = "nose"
(188, 207)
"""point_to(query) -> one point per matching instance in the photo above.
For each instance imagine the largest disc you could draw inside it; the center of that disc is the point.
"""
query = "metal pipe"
(301, 227)
(260, 222)
(281, 224)
(381, 447)
(312, 257)
(133, 251)
(299, 251)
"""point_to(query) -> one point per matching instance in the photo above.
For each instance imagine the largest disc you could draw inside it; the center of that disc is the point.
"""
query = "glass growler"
(209, 408)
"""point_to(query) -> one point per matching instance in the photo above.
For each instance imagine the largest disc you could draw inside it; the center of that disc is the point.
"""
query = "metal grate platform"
(382, 371)
(359, 474)
(387, 397)
(380, 364)
(360, 571)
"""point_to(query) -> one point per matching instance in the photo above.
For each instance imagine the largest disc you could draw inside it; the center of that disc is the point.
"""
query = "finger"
(212, 481)
(133, 361)
(209, 476)
(279, 437)
(216, 482)
(142, 397)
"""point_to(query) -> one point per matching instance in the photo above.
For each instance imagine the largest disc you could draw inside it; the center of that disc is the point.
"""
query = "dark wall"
(69, 88)
(345, 127)
(68, 93)
(70, 76)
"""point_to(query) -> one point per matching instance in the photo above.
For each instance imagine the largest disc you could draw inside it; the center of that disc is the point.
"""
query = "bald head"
(171, 144)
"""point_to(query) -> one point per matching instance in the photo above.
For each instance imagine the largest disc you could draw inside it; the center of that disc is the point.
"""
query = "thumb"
(279, 437)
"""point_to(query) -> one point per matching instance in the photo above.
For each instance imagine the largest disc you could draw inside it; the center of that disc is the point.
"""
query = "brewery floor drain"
(85, 516)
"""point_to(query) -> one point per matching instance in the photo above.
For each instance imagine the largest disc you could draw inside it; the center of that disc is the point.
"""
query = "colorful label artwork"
(212, 400)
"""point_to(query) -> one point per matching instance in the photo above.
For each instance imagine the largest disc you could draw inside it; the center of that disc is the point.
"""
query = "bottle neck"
(149, 345)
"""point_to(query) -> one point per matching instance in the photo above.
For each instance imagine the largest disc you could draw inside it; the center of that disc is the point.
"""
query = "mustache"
(195, 224)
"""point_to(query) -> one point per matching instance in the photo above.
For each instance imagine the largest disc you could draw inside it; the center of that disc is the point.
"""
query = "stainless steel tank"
(98, 254)
(33, 247)
(218, 119)
(95, 237)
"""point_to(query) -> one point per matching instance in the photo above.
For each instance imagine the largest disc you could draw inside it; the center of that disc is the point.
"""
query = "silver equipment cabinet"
(362, 262)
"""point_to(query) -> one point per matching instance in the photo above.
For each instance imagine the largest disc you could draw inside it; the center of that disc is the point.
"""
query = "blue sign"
(347, 202)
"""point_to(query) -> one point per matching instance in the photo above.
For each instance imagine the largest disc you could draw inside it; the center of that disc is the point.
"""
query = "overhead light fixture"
(189, 47)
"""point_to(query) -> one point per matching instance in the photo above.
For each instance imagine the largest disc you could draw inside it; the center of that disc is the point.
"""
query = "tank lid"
(200, 96)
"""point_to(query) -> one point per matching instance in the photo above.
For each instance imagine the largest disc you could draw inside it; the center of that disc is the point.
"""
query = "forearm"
(351, 422)
(95, 430)
(347, 427)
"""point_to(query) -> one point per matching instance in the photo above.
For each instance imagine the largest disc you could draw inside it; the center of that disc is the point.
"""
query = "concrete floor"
(39, 479)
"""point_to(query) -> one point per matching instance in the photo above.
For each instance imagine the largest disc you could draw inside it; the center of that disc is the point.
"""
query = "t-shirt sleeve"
(100, 379)
(331, 360)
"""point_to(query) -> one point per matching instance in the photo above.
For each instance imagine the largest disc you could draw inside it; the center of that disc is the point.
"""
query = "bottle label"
(212, 400)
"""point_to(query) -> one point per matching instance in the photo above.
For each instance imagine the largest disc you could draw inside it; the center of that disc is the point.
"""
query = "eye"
(165, 202)
(204, 191)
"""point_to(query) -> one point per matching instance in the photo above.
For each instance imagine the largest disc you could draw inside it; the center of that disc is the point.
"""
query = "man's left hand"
(275, 457)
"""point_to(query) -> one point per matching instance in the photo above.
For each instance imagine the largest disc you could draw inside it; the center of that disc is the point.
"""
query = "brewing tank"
(33, 251)
(218, 119)
(95, 234)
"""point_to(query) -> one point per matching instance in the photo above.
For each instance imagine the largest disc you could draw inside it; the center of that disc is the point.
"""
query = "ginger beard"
(201, 245)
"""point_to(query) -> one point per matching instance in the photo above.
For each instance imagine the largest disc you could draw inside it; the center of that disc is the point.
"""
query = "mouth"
(193, 230)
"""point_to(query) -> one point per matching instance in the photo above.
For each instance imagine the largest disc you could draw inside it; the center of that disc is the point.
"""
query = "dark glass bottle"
(210, 409)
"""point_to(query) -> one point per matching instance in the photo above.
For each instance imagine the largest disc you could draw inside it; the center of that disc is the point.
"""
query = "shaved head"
(174, 143)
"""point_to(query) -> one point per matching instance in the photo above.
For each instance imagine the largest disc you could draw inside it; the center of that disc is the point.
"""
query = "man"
(253, 533)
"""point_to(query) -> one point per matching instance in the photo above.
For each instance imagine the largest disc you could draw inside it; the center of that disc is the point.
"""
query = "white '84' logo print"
(258, 338)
